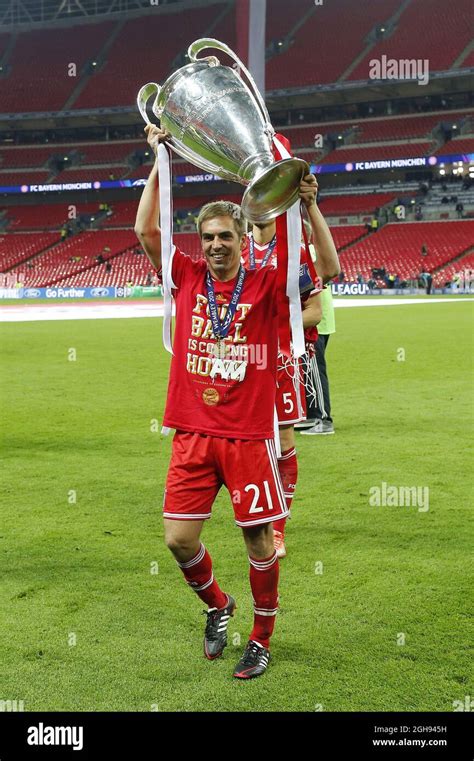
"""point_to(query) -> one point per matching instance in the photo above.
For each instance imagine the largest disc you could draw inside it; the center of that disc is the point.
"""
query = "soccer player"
(318, 404)
(221, 403)
(291, 404)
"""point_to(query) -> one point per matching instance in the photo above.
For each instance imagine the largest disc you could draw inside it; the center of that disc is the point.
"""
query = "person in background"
(318, 401)
(429, 282)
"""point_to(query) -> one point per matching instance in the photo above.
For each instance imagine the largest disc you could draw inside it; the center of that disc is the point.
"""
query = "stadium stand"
(397, 248)
(432, 30)
(29, 235)
(354, 204)
(27, 156)
(347, 234)
(29, 87)
(458, 145)
(448, 273)
(318, 34)
(294, 32)
(150, 52)
(130, 268)
(89, 158)
(18, 247)
(21, 177)
(75, 255)
(44, 217)
(92, 173)
(407, 126)
(469, 60)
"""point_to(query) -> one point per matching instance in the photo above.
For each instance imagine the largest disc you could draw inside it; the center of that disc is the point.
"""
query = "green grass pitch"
(94, 612)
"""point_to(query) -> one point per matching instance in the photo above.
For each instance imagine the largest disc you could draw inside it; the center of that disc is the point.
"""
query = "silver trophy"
(221, 124)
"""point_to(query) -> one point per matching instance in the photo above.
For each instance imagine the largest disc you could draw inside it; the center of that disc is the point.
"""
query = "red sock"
(264, 583)
(288, 467)
(199, 576)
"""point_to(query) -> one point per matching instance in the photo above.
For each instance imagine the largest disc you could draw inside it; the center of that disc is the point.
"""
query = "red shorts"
(201, 464)
(290, 397)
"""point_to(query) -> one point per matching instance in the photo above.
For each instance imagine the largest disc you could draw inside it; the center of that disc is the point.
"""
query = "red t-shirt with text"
(238, 402)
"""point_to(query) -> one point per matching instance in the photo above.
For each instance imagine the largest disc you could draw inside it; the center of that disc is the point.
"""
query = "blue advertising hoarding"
(348, 167)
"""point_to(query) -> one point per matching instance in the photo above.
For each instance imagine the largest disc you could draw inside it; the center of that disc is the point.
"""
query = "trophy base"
(274, 191)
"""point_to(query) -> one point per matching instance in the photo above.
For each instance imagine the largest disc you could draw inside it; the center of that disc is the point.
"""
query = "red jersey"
(307, 287)
(231, 397)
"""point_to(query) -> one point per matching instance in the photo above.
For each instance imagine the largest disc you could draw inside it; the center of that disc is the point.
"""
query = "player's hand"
(308, 190)
(155, 136)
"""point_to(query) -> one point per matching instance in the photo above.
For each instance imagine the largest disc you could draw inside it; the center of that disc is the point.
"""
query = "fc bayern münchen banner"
(185, 179)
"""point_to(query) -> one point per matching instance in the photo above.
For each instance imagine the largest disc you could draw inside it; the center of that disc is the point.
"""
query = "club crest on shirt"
(210, 396)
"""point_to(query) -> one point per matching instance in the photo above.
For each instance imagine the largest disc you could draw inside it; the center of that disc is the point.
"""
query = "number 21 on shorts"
(254, 508)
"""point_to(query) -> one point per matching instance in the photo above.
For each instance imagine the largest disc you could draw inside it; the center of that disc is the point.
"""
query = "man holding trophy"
(222, 385)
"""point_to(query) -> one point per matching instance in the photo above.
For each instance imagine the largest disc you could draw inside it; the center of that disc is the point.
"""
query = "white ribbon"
(276, 432)
(293, 221)
(167, 247)
(293, 226)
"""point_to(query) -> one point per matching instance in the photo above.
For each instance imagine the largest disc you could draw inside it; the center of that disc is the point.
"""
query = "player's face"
(221, 246)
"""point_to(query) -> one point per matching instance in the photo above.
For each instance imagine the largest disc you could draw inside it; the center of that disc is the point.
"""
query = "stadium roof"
(31, 13)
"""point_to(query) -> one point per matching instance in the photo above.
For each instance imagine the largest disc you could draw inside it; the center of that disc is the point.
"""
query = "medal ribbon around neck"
(268, 253)
(221, 329)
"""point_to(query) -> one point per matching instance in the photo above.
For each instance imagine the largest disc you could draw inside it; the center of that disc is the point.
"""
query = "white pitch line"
(122, 310)
(389, 301)
(32, 313)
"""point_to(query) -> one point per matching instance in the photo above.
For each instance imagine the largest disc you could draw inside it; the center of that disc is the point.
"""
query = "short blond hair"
(222, 209)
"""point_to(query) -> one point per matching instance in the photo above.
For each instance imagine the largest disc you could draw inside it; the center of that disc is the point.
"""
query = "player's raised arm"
(147, 223)
(328, 261)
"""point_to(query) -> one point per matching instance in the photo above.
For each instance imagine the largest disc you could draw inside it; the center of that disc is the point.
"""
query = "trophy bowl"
(221, 125)
(274, 190)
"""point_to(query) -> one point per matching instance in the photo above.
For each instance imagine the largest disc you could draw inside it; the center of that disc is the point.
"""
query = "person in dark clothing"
(429, 283)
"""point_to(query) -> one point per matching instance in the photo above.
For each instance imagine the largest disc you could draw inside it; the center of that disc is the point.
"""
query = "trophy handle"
(209, 42)
(146, 92)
